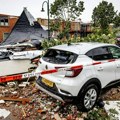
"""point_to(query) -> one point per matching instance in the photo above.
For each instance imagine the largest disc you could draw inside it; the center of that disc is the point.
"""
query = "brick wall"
(7, 29)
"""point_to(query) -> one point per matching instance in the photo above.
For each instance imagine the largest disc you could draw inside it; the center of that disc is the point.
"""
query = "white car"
(77, 72)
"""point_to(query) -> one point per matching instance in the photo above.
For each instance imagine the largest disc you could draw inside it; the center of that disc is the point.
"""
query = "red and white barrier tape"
(33, 74)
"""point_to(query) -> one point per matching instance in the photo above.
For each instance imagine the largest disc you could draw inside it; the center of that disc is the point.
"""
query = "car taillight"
(74, 71)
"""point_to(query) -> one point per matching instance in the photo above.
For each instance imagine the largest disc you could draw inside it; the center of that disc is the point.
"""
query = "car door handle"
(100, 69)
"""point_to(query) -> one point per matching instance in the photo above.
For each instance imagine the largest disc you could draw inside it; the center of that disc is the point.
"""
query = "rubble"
(57, 117)
(113, 109)
(24, 84)
(11, 84)
(29, 103)
(112, 93)
(23, 100)
(2, 101)
(4, 113)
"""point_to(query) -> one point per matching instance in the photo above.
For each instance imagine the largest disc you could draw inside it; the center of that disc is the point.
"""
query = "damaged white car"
(77, 72)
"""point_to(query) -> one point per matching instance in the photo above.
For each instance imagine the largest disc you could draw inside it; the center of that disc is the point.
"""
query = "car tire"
(88, 97)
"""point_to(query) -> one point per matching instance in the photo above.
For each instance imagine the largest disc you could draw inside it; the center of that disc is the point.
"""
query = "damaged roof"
(26, 28)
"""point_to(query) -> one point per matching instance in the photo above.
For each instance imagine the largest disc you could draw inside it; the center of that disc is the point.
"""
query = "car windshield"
(59, 56)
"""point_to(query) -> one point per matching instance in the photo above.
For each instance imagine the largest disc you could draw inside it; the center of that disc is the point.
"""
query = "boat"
(17, 62)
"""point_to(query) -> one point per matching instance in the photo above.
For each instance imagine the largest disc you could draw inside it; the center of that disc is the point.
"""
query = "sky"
(15, 7)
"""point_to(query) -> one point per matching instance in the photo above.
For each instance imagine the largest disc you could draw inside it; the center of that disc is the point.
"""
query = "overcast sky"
(15, 7)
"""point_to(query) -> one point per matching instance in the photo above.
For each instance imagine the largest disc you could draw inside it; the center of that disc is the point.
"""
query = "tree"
(103, 15)
(117, 20)
(64, 11)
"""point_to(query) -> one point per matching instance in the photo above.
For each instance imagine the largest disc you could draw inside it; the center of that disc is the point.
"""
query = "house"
(77, 28)
(25, 29)
(7, 22)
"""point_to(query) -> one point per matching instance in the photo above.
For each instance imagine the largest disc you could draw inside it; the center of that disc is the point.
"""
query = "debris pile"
(23, 101)
(113, 109)
(112, 93)
(26, 102)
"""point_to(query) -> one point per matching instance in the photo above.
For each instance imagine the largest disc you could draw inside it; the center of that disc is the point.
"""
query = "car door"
(104, 70)
(116, 55)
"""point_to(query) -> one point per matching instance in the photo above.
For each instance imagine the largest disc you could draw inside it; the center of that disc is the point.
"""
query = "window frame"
(115, 52)
(4, 21)
(100, 56)
(47, 57)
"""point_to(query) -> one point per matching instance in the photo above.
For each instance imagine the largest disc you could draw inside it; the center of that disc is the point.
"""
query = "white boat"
(10, 67)
(12, 63)
(26, 54)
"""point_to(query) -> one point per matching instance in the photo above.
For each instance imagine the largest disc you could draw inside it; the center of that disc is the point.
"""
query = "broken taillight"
(74, 71)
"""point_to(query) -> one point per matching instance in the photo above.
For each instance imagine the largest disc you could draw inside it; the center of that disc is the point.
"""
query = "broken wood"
(24, 114)
(57, 117)
(41, 111)
(23, 100)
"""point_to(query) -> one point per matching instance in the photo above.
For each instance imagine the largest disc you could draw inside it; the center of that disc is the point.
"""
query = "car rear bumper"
(55, 92)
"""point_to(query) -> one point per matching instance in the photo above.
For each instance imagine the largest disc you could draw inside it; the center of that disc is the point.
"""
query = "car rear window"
(59, 56)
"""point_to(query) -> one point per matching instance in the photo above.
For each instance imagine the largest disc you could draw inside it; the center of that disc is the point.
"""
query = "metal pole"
(48, 17)
(48, 23)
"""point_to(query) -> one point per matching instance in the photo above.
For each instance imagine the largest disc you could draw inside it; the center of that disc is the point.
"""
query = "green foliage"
(103, 15)
(46, 44)
(65, 32)
(109, 38)
(113, 111)
(117, 20)
(54, 25)
(96, 36)
(64, 11)
(97, 114)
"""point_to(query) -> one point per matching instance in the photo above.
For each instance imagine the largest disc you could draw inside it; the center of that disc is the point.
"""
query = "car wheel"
(87, 97)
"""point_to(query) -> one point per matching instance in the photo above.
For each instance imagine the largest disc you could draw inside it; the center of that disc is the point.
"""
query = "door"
(104, 70)
(116, 55)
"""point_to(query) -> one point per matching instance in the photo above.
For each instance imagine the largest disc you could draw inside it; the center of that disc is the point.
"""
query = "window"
(101, 53)
(83, 27)
(115, 52)
(4, 21)
(59, 56)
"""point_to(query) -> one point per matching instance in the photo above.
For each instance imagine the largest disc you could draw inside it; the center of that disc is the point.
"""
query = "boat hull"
(10, 67)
